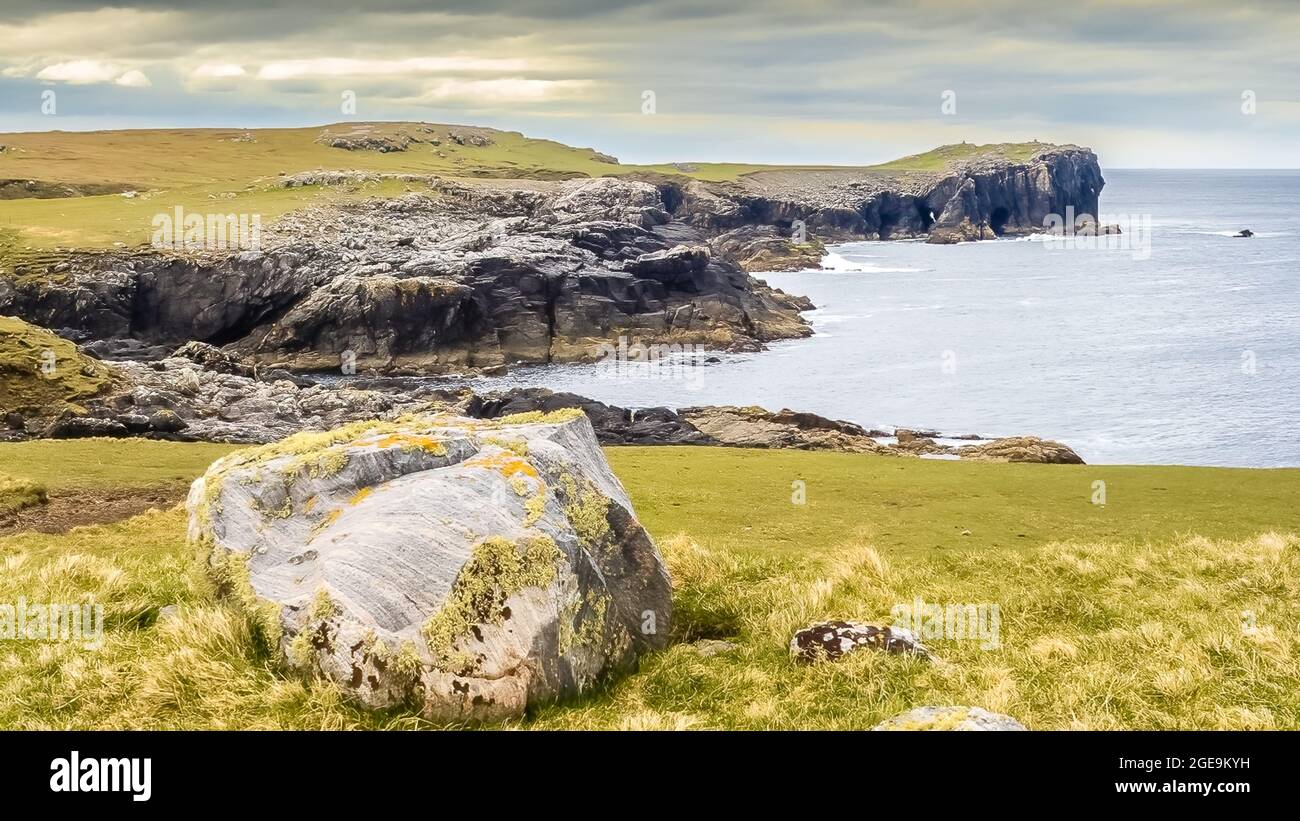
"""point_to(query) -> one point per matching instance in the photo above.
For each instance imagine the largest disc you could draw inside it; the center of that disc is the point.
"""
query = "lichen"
(582, 622)
(497, 569)
(534, 508)
(542, 417)
(588, 510)
(518, 447)
(504, 462)
(360, 495)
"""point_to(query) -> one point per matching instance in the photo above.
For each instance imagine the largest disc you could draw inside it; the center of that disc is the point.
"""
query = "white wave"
(838, 264)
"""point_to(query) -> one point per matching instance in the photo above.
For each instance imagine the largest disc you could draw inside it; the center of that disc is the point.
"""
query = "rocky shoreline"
(461, 276)
(202, 393)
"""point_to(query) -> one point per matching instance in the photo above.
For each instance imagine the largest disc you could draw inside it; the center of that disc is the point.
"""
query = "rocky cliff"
(455, 276)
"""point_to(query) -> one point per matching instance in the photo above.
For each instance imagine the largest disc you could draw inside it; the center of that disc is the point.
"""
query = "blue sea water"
(1186, 351)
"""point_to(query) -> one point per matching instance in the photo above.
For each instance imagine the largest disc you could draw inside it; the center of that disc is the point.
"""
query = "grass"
(211, 170)
(1124, 616)
(19, 494)
(41, 371)
(88, 463)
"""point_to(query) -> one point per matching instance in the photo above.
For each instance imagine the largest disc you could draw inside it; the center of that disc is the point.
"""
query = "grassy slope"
(205, 170)
(1111, 617)
(25, 380)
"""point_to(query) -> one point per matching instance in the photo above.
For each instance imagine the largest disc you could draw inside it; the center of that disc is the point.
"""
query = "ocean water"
(1177, 345)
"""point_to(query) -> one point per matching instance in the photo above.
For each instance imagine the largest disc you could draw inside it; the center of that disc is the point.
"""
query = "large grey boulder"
(468, 568)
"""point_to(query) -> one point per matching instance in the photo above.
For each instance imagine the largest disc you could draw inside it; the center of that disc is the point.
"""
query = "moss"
(407, 665)
(542, 417)
(582, 623)
(323, 607)
(45, 373)
(497, 569)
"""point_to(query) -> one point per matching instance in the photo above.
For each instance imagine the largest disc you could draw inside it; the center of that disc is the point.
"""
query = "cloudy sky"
(1147, 83)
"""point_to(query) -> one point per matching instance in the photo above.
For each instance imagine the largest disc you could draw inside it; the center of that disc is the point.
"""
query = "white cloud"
(507, 89)
(134, 79)
(215, 70)
(80, 72)
(348, 67)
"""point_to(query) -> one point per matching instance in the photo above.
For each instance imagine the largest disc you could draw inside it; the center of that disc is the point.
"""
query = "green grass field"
(1129, 615)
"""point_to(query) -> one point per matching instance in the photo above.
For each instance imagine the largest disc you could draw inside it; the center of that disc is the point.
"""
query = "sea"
(1172, 342)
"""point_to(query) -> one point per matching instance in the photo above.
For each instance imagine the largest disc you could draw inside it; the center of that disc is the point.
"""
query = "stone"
(950, 718)
(1021, 449)
(467, 568)
(80, 427)
(755, 427)
(708, 648)
(832, 640)
(166, 421)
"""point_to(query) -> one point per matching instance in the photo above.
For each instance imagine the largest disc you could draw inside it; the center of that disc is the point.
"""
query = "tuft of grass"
(19, 494)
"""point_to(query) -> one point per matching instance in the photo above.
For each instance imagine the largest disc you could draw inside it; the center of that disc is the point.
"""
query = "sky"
(1145, 83)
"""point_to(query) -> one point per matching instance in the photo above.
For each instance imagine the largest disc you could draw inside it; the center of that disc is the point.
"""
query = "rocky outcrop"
(469, 569)
(754, 427)
(950, 718)
(461, 278)
(1021, 449)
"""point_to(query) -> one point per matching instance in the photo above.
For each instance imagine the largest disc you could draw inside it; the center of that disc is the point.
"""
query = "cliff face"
(460, 277)
(984, 196)
(466, 276)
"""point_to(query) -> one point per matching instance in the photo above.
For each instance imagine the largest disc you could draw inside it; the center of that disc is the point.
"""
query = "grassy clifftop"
(96, 189)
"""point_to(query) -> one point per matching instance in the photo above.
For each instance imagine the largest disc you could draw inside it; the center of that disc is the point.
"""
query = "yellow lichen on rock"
(497, 570)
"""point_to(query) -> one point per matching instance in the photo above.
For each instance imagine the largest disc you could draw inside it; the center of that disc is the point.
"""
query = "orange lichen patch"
(360, 495)
(309, 504)
(504, 462)
(428, 444)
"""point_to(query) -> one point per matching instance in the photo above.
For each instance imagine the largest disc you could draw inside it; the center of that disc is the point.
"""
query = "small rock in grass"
(831, 640)
(950, 718)
(708, 648)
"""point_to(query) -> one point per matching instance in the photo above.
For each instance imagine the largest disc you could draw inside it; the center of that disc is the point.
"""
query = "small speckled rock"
(466, 568)
(950, 718)
(831, 640)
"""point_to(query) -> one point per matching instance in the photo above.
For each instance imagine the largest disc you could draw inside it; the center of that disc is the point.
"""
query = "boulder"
(950, 718)
(466, 568)
(754, 427)
(832, 640)
(1021, 449)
